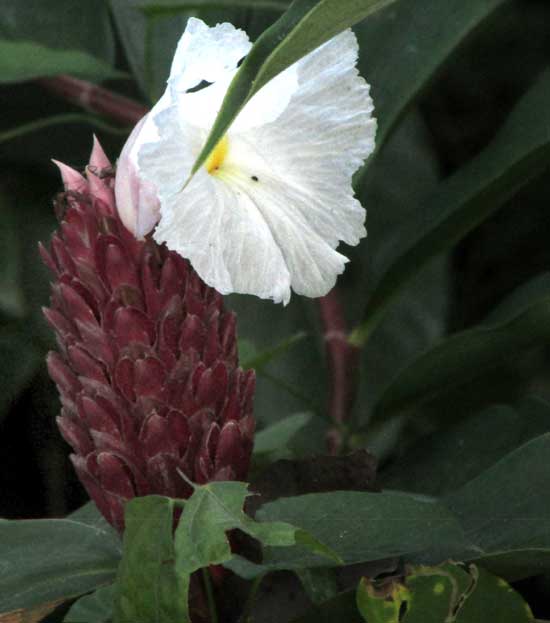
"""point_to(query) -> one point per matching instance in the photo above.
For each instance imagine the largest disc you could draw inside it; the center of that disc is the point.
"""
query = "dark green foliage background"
(485, 389)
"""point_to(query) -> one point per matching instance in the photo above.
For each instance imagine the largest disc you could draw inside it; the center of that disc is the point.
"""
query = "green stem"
(361, 334)
(210, 595)
(309, 403)
(247, 610)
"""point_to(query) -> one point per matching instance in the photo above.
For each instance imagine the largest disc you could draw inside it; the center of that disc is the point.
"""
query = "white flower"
(267, 211)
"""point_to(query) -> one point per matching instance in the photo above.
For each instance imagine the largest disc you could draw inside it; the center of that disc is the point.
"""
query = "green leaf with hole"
(305, 26)
(381, 606)
(493, 599)
(519, 152)
(449, 592)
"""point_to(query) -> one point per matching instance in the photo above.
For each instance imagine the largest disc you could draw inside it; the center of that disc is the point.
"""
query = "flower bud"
(137, 202)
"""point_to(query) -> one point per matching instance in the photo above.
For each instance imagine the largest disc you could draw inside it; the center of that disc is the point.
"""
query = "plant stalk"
(210, 595)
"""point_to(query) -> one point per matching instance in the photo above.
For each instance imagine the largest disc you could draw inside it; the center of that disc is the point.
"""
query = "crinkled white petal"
(207, 54)
(200, 108)
(320, 140)
(210, 55)
(170, 158)
(216, 227)
(227, 240)
(269, 102)
(271, 217)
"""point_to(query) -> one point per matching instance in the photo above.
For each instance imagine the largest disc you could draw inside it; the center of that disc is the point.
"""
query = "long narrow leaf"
(461, 358)
(520, 151)
(62, 119)
(405, 47)
(24, 60)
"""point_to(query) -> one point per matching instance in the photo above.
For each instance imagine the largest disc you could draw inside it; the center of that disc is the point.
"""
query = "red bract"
(147, 367)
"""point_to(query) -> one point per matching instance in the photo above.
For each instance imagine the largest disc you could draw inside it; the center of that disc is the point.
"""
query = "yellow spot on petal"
(218, 155)
(439, 588)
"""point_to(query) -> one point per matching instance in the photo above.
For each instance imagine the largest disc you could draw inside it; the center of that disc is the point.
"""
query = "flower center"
(216, 158)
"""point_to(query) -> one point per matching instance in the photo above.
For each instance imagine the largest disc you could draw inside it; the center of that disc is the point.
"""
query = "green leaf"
(319, 584)
(518, 564)
(94, 608)
(377, 526)
(404, 47)
(149, 44)
(250, 357)
(62, 25)
(217, 507)
(290, 383)
(305, 26)
(275, 441)
(25, 60)
(89, 515)
(62, 119)
(19, 362)
(519, 152)
(383, 607)
(153, 577)
(445, 593)
(259, 360)
(504, 510)
(150, 38)
(498, 519)
(419, 317)
(493, 599)
(520, 299)
(460, 359)
(339, 608)
(155, 8)
(441, 463)
(148, 585)
(50, 559)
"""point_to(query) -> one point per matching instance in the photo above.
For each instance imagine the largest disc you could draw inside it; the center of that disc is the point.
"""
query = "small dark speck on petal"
(254, 178)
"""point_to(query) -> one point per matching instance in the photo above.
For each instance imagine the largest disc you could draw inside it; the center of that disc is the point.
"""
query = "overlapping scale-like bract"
(147, 367)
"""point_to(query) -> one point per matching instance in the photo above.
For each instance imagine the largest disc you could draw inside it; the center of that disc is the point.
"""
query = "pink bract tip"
(72, 179)
(98, 158)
